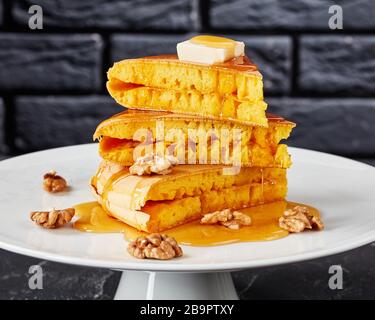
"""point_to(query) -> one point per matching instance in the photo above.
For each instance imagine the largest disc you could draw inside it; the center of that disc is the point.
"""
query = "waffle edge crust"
(227, 91)
(260, 147)
(157, 203)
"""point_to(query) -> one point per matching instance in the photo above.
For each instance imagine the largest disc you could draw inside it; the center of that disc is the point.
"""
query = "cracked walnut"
(52, 219)
(227, 218)
(152, 163)
(155, 246)
(298, 219)
(53, 182)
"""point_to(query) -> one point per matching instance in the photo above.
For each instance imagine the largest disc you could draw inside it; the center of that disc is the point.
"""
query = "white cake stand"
(344, 191)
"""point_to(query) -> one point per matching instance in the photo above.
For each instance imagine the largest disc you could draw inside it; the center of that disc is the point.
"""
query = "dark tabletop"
(303, 280)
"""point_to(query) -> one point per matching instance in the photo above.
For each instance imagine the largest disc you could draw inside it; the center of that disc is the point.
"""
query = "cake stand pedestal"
(140, 285)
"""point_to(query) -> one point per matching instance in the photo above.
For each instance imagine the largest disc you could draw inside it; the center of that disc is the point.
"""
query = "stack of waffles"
(209, 118)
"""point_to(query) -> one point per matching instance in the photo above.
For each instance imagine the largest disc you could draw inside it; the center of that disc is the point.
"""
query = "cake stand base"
(142, 285)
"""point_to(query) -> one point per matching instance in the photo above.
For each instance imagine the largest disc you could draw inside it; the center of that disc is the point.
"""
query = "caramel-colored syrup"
(264, 227)
(240, 64)
(108, 187)
(93, 218)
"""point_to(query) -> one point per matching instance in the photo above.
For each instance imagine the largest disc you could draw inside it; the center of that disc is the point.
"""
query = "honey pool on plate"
(264, 227)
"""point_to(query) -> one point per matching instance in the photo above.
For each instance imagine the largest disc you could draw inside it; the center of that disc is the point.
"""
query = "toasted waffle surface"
(259, 146)
(230, 90)
(156, 203)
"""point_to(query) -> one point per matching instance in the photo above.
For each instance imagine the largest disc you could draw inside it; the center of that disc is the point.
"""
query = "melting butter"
(214, 41)
(209, 49)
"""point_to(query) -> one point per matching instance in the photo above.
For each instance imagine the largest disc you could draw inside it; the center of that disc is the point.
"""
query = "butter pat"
(209, 49)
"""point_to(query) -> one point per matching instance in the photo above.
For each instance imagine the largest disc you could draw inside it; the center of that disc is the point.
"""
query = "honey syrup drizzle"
(264, 227)
(262, 183)
(108, 187)
(215, 42)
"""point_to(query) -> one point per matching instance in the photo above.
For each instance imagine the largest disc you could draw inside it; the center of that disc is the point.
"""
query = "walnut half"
(155, 246)
(298, 219)
(53, 182)
(152, 163)
(52, 219)
(227, 218)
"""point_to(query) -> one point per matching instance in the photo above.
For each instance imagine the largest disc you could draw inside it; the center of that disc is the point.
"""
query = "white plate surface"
(344, 191)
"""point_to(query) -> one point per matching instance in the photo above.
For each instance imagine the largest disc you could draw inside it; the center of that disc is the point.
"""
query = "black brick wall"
(111, 14)
(337, 64)
(52, 89)
(52, 121)
(3, 146)
(50, 62)
(295, 15)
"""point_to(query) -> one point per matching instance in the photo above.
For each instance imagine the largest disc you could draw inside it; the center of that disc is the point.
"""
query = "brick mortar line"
(30, 92)
(288, 32)
(294, 66)
(102, 91)
(58, 30)
(7, 14)
(104, 31)
(105, 61)
(8, 125)
(204, 9)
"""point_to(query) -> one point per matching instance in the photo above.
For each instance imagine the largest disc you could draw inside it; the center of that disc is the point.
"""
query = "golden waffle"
(156, 203)
(259, 146)
(229, 90)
